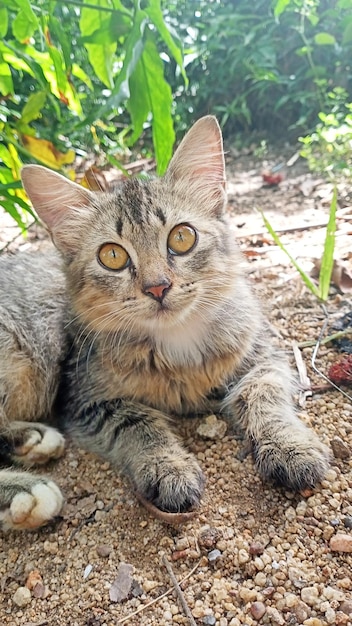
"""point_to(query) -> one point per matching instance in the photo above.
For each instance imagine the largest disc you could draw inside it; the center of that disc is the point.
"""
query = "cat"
(143, 315)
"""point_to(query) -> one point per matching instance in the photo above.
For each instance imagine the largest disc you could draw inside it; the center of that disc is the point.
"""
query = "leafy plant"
(321, 290)
(81, 73)
(329, 148)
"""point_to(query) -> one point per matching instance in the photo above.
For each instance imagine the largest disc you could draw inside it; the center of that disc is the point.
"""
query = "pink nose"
(157, 292)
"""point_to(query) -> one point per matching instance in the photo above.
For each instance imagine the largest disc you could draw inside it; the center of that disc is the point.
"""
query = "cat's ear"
(61, 204)
(198, 165)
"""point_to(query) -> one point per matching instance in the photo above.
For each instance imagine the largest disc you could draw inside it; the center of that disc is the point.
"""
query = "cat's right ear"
(60, 203)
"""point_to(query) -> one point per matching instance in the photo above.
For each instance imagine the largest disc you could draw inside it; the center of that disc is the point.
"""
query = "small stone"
(182, 543)
(341, 543)
(149, 585)
(342, 619)
(330, 615)
(340, 448)
(243, 556)
(346, 607)
(301, 611)
(274, 616)
(22, 596)
(209, 620)
(258, 610)
(310, 595)
(212, 428)
(313, 621)
(214, 555)
(104, 550)
(121, 587)
(208, 537)
(33, 579)
(256, 548)
(347, 521)
(297, 577)
(52, 547)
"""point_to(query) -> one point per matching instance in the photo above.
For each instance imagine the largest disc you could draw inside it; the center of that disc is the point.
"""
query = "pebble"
(243, 556)
(347, 521)
(274, 616)
(256, 548)
(212, 428)
(346, 607)
(103, 550)
(341, 543)
(209, 620)
(310, 595)
(214, 555)
(313, 621)
(22, 596)
(258, 610)
(340, 448)
(208, 537)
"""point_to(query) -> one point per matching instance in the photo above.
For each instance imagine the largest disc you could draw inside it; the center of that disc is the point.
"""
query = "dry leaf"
(46, 152)
(121, 587)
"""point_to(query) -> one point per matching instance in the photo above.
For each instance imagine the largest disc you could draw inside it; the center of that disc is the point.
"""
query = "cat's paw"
(37, 444)
(298, 461)
(173, 483)
(34, 501)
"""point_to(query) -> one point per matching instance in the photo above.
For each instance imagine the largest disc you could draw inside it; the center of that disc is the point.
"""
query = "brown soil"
(273, 561)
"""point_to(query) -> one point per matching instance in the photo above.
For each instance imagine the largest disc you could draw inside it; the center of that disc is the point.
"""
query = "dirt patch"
(253, 554)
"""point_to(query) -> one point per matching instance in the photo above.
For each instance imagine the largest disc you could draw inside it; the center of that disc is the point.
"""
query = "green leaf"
(6, 82)
(100, 54)
(133, 49)
(347, 32)
(63, 37)
(25, 22)
(324, 39)
(327, 261)
(160, 102)
(280, 6)
(32, 108)
(311, 286)
(4, 21)
(139, 101)
(156, 15)
(58, 61)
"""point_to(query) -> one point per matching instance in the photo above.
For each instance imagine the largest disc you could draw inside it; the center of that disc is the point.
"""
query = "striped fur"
(130, 361)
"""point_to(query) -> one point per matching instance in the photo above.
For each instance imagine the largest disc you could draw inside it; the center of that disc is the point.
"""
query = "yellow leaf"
(46, 153)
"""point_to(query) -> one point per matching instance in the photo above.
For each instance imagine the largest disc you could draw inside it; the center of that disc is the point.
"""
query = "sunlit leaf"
(100, 54)
(32, 108)
(280, 6)
(6, 82)
(160, 102)
(156, 15)
(324, 39)
(4, 22)
(25, 22)
(46, 152)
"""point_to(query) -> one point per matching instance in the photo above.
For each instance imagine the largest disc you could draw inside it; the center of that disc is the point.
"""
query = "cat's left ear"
(60, 204)
(198, 165)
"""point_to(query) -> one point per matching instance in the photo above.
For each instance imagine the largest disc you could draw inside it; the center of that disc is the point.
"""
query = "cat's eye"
(113, 256)
(182, 239)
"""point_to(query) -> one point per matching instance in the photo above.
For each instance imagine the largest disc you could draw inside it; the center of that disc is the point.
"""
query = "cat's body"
(157, 320)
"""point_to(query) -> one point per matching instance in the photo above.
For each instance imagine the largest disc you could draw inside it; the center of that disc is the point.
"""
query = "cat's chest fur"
(175, 376)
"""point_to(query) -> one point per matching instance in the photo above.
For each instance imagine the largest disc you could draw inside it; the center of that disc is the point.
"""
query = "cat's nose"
(158, 292)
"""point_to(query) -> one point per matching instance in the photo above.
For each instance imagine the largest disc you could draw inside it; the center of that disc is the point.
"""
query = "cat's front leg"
(138, 441)
(286, 451)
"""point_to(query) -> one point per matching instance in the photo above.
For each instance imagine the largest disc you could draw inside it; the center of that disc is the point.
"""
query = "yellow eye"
(113, 256)
(182, 239)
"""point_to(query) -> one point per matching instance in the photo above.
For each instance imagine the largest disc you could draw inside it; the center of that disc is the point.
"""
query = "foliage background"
(103, 75)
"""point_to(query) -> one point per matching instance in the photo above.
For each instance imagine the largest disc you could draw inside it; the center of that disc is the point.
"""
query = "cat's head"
(147, 255)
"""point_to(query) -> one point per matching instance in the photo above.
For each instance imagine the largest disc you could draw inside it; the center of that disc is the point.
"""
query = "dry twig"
(167, 593)
(180, 595)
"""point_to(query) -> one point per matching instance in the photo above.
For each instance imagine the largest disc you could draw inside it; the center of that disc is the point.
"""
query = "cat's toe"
(174, 485)
(32, 507)
(295, 465)
(39, 444)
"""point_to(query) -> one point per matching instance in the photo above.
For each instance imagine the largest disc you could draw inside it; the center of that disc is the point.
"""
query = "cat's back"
(32, 296)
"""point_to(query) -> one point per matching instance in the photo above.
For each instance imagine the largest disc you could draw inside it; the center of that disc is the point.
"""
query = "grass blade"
(307, 281)
(327, 262)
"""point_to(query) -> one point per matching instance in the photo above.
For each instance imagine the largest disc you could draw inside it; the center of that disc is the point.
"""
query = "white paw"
(41, 445)
(31, 509)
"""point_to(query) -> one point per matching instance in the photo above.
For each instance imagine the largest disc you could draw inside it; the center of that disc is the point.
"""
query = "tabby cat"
(145, 314)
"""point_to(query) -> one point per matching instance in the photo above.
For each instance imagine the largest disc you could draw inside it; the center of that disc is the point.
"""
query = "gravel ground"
(253, 554)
